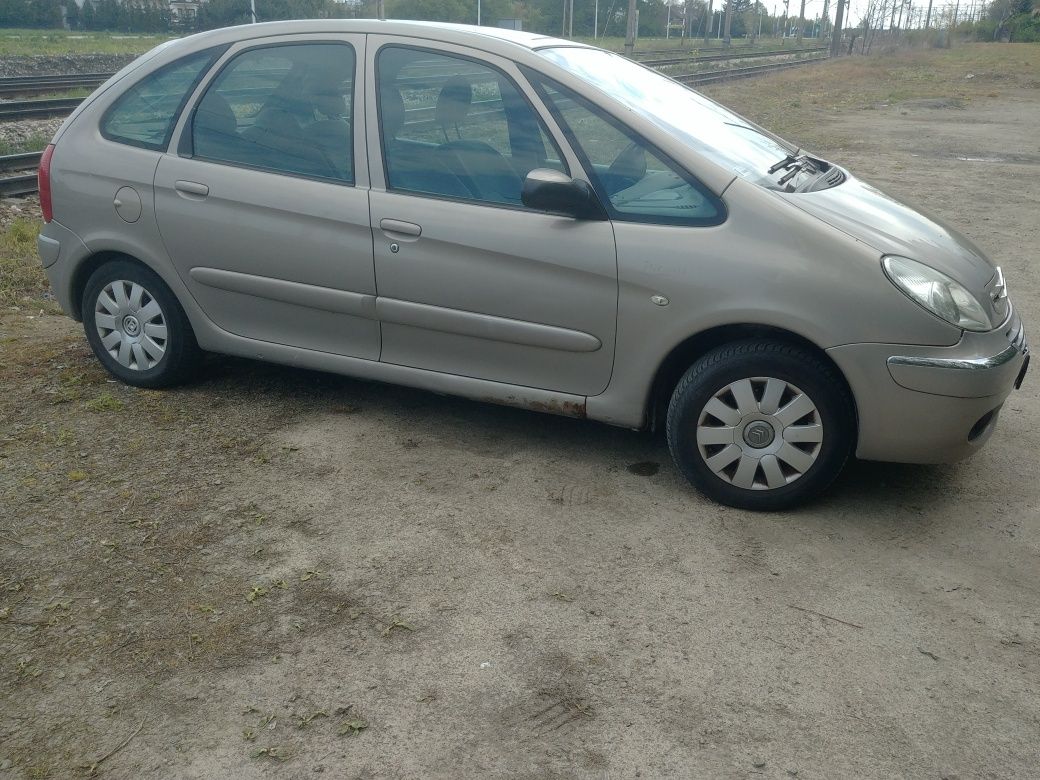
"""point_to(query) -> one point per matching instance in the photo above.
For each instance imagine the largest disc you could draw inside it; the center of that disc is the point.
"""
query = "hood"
(894, 228)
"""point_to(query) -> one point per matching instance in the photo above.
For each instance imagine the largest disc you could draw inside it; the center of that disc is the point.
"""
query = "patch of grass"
(14, 42)
(21, 275)
(34, 142)
(793, 102)
(106, 402)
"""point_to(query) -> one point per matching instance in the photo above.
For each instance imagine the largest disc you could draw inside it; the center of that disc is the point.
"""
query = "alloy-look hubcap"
(760, 433)
(131, 325)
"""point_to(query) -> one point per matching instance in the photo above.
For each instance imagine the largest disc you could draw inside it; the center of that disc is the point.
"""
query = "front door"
(470, 281)
(264, 207)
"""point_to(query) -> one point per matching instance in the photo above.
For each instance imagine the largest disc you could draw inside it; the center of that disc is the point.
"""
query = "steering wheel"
(628, 168)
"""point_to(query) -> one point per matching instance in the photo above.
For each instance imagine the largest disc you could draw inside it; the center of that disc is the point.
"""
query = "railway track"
(54, 82)
(24, 183)
(696, 79)
(37, 109)
(14, 186)
(661, 63)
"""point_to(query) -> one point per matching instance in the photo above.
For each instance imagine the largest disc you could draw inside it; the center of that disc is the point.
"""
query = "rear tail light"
(44, 176)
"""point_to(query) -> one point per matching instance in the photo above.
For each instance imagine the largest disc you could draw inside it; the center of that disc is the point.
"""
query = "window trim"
(186, 144)
(476, 60)
(536, 79)
(216, 52)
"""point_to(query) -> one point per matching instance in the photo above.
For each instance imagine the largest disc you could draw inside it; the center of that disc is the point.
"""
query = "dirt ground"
(275, 573)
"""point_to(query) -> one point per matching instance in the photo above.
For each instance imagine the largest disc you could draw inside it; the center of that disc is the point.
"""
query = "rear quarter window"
(145, 114)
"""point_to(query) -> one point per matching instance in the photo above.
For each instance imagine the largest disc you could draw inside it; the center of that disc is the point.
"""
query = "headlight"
(937, 292)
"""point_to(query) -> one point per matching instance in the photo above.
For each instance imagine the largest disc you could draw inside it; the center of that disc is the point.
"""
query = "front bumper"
(932, 404)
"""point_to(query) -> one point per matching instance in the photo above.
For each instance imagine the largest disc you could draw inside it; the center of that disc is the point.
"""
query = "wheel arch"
(89, 264)
(691, 349)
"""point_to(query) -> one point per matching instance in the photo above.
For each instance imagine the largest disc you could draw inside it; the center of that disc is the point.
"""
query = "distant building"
(185, 10)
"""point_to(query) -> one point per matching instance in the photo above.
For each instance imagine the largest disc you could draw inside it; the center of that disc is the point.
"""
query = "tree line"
(692, 17)
(999, 19)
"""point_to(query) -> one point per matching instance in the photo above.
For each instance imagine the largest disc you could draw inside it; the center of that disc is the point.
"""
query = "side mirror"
(546, 189)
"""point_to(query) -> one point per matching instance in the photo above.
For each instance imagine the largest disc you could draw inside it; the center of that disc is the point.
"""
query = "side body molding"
(417, 315)
(484, 326)
(308, 295)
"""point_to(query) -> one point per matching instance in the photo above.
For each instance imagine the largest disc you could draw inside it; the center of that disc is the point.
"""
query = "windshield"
(707, 127)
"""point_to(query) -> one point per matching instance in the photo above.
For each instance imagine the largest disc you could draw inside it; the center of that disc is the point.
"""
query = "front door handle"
(191, 188)
(404, 231)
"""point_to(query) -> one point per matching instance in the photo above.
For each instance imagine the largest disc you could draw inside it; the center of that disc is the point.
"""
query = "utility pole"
(478, 13)
(826, 18)
(570, 18)
(708, 21)
(630, 33)
(595, 21)
(801, 22)
(783, 30)
(667, 24)
(252, 10)
(839, 20)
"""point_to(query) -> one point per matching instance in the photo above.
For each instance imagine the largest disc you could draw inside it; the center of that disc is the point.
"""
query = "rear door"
(264, 206)
(470, 281)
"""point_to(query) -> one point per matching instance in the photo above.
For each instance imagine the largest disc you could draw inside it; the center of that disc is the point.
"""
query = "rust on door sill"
(563, 408)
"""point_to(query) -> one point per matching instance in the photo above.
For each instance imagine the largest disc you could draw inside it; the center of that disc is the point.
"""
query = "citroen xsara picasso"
(523, 220)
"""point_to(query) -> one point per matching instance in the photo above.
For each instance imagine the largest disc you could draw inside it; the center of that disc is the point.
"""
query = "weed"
(274, 752)
(350, 728)
(106, 402)
(21, 274)
(396, 623)
(305, 720)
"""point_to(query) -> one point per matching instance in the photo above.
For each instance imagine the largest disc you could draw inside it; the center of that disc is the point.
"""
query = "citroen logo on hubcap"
(759, 434)
(130, 325)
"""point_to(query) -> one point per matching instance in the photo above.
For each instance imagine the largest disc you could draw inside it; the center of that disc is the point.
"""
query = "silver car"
(528, 221)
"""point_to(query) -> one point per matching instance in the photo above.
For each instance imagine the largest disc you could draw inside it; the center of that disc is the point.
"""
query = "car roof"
(493, 39)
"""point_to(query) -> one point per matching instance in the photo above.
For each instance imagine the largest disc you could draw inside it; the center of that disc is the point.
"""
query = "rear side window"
(285, 109)
(146, 113)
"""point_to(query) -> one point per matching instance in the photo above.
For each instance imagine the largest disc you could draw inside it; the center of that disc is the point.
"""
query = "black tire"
(797, 368)
(180, 353)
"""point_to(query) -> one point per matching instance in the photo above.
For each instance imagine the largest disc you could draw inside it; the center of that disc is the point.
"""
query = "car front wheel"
(760, 425)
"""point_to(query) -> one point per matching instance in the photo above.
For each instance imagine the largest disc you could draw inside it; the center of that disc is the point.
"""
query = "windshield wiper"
(795, 164)
(791, 159)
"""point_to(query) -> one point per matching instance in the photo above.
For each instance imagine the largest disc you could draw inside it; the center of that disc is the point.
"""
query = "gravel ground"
(279, 574)
(29, 132)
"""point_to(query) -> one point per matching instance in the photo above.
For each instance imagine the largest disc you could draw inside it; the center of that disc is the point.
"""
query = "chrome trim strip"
(964, 364)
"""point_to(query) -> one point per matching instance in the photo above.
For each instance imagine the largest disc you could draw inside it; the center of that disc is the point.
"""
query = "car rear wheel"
(760, 425)
(136, 327)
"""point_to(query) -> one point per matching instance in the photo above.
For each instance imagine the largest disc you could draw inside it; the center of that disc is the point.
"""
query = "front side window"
(146, 113)
(286, 109)
(708, 128)
(638, 182)
(457, 128)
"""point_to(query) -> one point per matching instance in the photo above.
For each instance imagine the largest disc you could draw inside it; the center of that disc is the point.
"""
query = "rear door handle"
(191, 188)
(395, 228)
